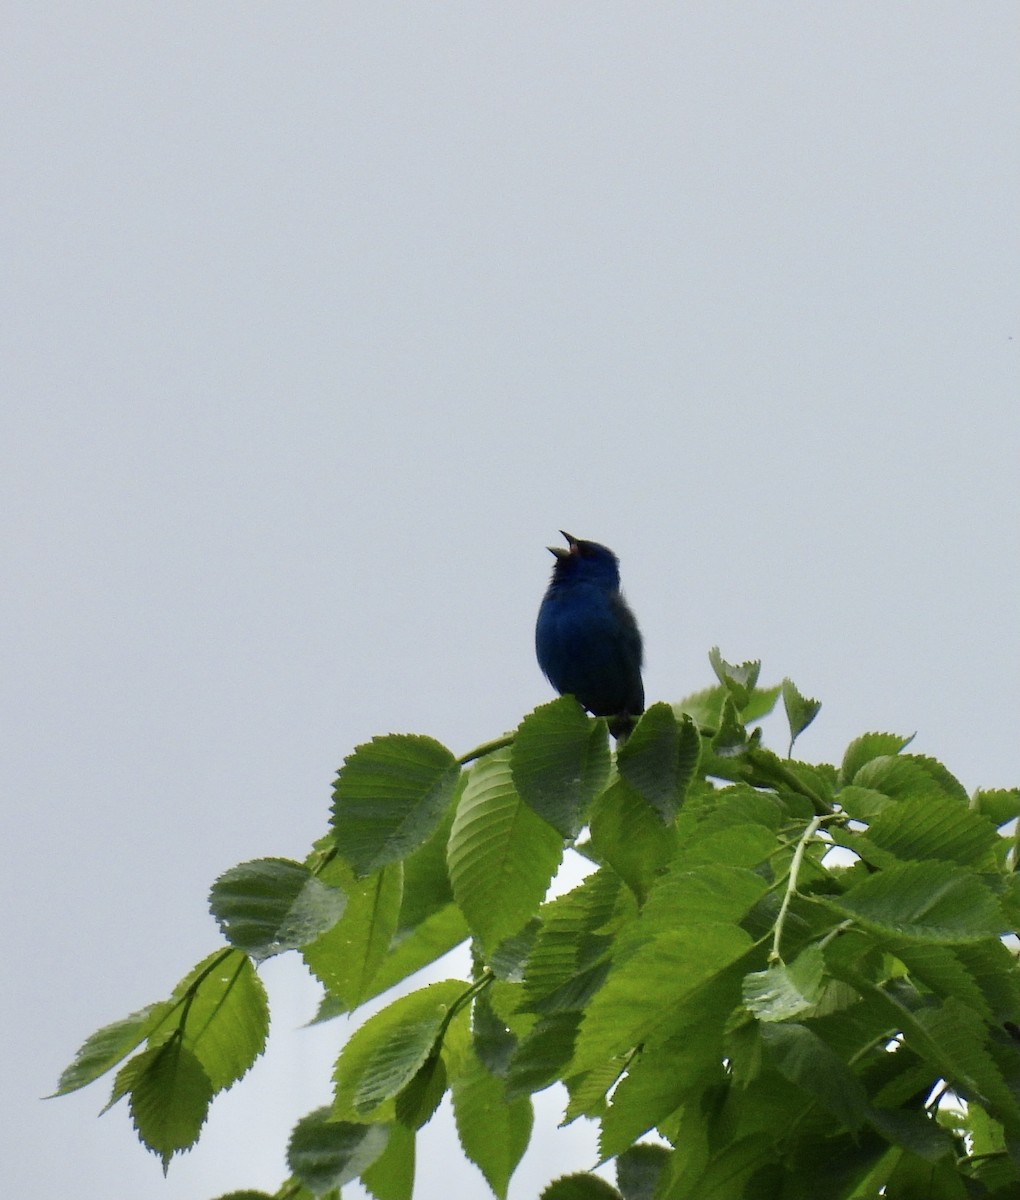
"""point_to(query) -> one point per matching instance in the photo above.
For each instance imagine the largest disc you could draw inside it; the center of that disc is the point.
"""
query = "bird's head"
(585, 562)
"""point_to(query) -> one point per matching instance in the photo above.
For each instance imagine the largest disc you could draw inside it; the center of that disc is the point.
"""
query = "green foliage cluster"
(777, 980)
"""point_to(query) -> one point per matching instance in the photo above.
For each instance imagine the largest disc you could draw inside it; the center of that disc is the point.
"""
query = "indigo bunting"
(586, 638)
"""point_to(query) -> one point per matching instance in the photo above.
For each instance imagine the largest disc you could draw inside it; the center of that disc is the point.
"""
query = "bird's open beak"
(559, 551)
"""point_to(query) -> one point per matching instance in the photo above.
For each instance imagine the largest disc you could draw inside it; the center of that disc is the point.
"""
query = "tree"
(793, 981)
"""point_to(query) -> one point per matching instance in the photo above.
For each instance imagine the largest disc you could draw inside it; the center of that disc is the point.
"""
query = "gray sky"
(319, 321)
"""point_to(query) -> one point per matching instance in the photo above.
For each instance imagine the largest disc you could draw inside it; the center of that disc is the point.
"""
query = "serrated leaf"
(170, 1096)
(103, 1049)
(868, 746)
(491, 1039)
(385, 1054)
(226, 1021)
(570, 952)
(993, 967)
(739, 679)
(730, 739)
(951, 1038)
(711, 895)
(644, 997)
(426, 879)
(507, 960)
(627, 834)
(704, 707)
(781, 992)
(418, 1101)
(580, 1186)
(925, 901)
(727, 1172)
(347, 957)
(639, 1169)
(928, 827)
(389, 797)
(493, 1132)
(501, 855)
(863, 804)
(541, 1056)
(800, 710)
(736, 845)
(588, 1091)
(676, 1069)
(270, 905)
(559, 761)
(247, 1194)
(659, 759)
(806, 1060)
(391, 1176)
(915, 1131)
(324, 1154)
(904, 776)
(415, 949)
(1000, 805)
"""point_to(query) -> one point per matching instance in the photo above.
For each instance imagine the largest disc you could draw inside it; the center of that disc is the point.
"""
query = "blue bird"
(586, 638)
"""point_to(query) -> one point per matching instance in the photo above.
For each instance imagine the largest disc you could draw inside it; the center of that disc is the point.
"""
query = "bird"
(587, 639)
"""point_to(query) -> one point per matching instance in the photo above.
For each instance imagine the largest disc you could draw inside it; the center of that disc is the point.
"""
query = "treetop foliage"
(777, 980)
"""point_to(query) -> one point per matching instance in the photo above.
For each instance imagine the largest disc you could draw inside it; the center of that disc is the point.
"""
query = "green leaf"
(501, 855)
(863, 804)
(993, 967)
(417, 948)
(731, 738)
(493, 1041)
(588, 1091)
(170, 1095)
(347, 957)
(385, 1054)
(417, 1103)
(659, 759)
(225, 1016)
(493, 1132)
(800, 711)
(325, 1154)
(247, 1194)
(106, 1047)
(727, 1172)
(559, 762)
(270, 905)
(507, 959)
(627, 834)
(705, 895)
(389, 797)
(927, 827)
(738, 679)
(737, 845)
(391, 1176)
(806, 1060)
(705, 708)
(542, 1054)
(644, 996)
(639, 1169)
(571, 949)
(675, 1069)
(580, 1186)
(904, 776)
(924, 901)
(915, 1131)
(781, 992)
(1000, 805)
(870, 745)
(426, 879)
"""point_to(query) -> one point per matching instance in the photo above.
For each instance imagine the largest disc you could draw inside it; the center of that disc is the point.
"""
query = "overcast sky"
(320, 320)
